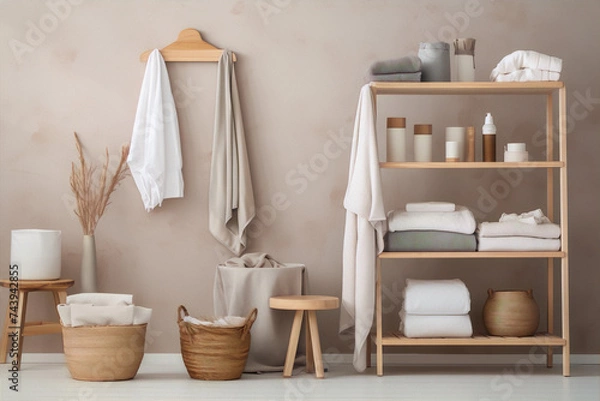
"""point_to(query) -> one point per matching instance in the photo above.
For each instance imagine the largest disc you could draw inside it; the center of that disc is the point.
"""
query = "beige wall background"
(72, 65)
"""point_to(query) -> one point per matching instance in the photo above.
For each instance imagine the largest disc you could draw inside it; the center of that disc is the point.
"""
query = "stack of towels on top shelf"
(530, 231)
(431, 227)
(102, 309)
(436, 308)
(407, 68)
(527, 65)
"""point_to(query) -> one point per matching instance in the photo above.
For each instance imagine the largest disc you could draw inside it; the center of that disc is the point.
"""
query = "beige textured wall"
(72, 65)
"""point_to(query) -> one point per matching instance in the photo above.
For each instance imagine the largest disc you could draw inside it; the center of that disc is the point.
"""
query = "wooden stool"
(308, 304)
(14, 322)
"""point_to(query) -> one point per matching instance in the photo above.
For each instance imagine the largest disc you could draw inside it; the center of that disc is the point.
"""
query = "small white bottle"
(422, 142)
(396, 139)
(489, 139)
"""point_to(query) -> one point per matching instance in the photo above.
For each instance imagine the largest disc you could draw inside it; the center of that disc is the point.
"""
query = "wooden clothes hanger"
(189, 46)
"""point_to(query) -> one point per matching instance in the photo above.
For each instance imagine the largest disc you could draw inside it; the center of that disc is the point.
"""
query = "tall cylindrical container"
(396, 139)
(457, 134)
(489, 139)
(464, 57)
(470, 132)
(435, 61)
(422, 142)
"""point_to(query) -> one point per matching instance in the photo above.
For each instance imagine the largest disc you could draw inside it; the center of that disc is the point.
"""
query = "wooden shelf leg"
(550, 310)
(379, 318)
(21, 316)
(316, 344)
(5, 332)
(293, 344)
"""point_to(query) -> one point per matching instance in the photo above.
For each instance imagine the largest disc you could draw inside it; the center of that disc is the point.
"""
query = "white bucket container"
(37, 253)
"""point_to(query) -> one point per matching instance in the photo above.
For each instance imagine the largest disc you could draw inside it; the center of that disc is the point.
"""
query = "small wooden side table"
(301, 304)
(15, 326)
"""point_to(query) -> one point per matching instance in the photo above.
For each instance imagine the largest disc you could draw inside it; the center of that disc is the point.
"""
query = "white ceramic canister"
(423, 142)
(36, 253)
(396, 139)
(457, 134)
(435, 61)
(452, 151)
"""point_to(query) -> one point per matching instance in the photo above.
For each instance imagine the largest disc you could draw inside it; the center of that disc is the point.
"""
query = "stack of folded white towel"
(529, 231)
(102, 309)
(406, 68)
(434, 216)
(436, 308)
(527, 65)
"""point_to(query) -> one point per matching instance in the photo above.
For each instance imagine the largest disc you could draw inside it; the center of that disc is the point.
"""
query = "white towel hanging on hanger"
(155, 154)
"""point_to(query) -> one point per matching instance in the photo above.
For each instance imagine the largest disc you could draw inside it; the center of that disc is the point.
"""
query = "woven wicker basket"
(214, 353)
(104, 353)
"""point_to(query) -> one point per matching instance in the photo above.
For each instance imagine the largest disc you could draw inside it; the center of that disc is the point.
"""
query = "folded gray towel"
(398, 77)
(403, 64)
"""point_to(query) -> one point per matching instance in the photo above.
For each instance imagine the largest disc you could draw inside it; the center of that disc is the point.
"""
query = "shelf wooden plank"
(470, 255)
(465, 165)
(542, 339)
(464, 88)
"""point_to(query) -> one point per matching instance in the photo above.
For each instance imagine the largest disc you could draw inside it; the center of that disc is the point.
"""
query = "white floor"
(161, 380)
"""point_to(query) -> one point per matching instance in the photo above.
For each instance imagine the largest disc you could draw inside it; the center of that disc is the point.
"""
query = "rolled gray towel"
(399, 77)
(398, 65)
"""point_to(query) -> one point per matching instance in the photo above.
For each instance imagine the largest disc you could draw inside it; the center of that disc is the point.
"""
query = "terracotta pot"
(511, 313)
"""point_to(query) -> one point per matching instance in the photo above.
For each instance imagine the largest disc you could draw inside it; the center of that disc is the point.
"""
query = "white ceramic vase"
(88, 265)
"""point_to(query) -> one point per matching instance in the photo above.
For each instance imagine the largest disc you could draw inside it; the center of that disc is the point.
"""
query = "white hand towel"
(436, 297)
(364, 230)
(417, 326)
(517, 244)
(231, 198)
(460, 221)
(430, 207)
(90, 315)
(100, 299)
(518, 229)
(141, 315)
(155, 154)
(527, 75)
(527, 59)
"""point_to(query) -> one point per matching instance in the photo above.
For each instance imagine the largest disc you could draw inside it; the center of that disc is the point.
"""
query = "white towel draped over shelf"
(231, 198)
(154, 157)
(364, 230)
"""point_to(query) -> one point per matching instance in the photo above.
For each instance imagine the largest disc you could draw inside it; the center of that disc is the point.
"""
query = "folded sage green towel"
(398, 65)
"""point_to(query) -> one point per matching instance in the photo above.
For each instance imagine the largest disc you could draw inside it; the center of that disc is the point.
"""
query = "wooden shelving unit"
(548, 339)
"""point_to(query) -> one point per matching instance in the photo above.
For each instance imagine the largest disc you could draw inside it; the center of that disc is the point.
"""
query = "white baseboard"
(389, 359)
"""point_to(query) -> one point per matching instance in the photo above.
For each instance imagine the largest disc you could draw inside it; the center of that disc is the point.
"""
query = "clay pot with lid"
(511, 313)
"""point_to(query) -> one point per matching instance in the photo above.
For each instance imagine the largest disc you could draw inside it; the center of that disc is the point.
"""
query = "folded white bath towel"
(417, 326)
(527, 59)
(90, 315)
(155, 158)
(141, 315)
(64, 312)
(517, 244)
(430, 207)
(436, 297)
(533, 217)
(100, 299)
(518, 229)
(526, 75)
(460, 221)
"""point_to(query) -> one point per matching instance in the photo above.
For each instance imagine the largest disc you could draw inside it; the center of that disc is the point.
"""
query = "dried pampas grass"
(92, 188)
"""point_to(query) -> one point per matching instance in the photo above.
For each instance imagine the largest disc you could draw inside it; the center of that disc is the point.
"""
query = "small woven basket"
(104, 353)
(214, 353)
